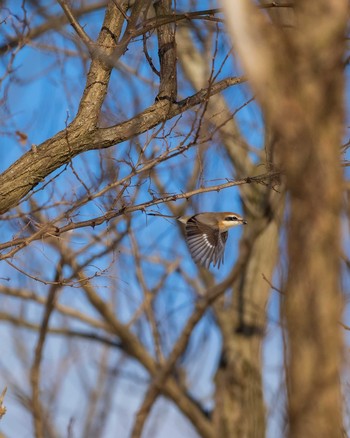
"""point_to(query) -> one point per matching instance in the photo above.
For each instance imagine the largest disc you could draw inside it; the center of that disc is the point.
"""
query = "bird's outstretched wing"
(207, 245)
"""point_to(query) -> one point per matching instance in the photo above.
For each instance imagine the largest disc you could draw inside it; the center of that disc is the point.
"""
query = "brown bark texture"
(297, 72)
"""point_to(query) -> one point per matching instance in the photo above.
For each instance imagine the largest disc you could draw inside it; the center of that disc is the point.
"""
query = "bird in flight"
(206, 234)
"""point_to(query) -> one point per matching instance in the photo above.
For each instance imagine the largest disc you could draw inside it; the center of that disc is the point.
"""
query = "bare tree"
(142, 108)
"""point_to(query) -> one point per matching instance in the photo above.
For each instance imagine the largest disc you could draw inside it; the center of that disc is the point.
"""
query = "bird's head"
(229, 220)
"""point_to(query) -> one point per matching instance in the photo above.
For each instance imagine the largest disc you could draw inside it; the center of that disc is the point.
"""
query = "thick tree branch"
(34, 166)
(167, 53)
(100, 71)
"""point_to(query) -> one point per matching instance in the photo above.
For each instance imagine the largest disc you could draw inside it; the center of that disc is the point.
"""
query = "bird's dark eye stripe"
(231, 218)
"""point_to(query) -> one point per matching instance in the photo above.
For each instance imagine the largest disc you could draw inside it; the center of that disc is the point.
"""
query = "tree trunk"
(240, 409)
(298, 76)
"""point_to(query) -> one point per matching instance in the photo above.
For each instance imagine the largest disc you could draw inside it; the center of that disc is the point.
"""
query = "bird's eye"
(231, 218)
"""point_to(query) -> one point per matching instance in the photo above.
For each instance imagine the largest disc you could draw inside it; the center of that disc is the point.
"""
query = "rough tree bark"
(240, 407)
(297, 74)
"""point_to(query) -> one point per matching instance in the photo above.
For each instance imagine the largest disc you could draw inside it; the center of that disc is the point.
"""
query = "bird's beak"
(244, 222)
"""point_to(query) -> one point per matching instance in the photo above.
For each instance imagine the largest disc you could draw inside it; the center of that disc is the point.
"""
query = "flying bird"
(206, 234)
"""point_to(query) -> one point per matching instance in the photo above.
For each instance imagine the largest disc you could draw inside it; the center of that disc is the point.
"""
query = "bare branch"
(32, 167)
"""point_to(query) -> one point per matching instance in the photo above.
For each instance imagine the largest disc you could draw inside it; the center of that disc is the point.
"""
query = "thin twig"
(75, 24)
(99, 220)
